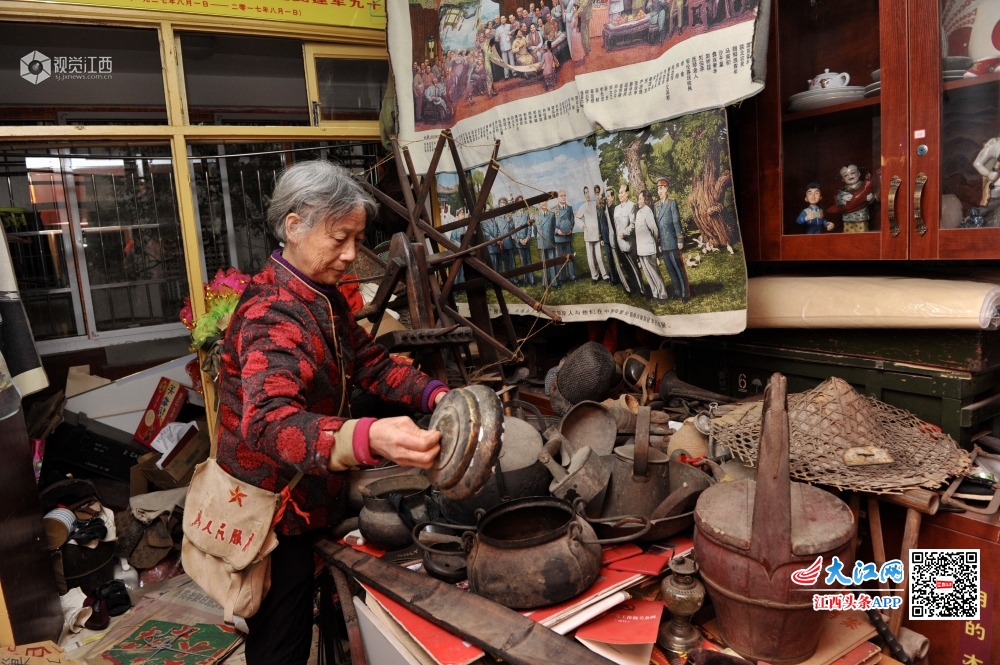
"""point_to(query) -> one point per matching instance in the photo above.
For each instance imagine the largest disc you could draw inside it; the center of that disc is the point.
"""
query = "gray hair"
(316, 190)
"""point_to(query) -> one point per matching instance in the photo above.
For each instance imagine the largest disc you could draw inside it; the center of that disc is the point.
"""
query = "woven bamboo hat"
(844, 439)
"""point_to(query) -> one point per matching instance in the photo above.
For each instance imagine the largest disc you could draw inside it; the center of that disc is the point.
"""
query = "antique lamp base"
(678, 635)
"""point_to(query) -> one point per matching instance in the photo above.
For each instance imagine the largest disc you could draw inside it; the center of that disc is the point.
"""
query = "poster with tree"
(649, 217)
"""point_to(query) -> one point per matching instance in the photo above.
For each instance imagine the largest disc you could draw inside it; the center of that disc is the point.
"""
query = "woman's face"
(324, 252)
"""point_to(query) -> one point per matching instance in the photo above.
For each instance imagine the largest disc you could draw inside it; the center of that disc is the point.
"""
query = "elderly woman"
(291, 356)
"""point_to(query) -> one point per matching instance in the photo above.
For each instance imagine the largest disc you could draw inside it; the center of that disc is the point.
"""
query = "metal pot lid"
(655, 456)
(408, 485)
(521, 445)
(471, 424)
(588, 424)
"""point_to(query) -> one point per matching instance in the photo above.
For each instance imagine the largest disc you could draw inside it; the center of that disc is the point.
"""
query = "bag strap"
(235, 584)
(286, 499)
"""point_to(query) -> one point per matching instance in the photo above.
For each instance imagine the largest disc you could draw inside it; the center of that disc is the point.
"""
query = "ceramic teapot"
(829, 79)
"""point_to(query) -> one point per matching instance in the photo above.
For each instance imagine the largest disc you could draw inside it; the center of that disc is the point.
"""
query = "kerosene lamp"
(683, 595)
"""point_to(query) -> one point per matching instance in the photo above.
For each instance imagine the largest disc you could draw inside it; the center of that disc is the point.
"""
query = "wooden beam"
(492, 274)
(501, 632)
(480, 334)
(192, 262)
(173, 80)
(481, 282)
(502, 210)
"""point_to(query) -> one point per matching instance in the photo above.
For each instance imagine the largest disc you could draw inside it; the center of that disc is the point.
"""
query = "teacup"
(829, 80)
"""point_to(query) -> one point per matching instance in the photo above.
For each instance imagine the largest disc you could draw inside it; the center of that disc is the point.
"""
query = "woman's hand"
(440, 396)
(400, 440)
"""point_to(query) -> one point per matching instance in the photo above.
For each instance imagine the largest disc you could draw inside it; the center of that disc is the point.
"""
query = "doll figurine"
(853, 199)
(987, 163)
(812, 216)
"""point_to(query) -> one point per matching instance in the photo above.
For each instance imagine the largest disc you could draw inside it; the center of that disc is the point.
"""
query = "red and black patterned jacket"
(280, 389)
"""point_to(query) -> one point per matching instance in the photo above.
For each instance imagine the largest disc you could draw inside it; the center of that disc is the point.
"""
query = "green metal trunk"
(958, 392)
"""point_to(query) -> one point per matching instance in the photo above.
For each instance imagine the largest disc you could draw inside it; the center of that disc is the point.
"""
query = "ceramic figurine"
(853, 199)
(986, 163)
(975, 220)
(812, 216)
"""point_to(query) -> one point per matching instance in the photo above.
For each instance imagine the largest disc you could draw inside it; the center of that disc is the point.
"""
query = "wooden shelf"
(835, 108)
(969, 82)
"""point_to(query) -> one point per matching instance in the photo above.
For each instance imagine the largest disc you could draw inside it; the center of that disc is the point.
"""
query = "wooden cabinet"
(914, 126)
(953, 641)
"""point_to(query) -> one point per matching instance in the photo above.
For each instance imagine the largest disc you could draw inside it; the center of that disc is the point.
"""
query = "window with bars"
(95, 235)
(234, 183)
(95, 239)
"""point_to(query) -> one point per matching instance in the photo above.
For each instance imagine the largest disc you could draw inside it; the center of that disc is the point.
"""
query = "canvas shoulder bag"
(229, 536)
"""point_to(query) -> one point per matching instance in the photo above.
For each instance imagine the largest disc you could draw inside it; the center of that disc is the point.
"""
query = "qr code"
(944, 584)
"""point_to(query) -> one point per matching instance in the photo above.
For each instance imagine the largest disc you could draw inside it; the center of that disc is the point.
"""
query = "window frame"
(347, 41)
(311, 51)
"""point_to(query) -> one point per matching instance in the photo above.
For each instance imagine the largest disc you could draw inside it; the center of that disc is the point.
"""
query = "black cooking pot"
(534, 552)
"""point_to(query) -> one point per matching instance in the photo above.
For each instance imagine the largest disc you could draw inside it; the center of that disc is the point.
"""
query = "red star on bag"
(237, 496)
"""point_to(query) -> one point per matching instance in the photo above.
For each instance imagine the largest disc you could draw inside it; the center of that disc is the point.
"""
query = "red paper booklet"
(626, 634)
(443, 647)
(366, 548)
(680, 545)
(632, 622)
(647, 564)
(612, 553)
(655, 559)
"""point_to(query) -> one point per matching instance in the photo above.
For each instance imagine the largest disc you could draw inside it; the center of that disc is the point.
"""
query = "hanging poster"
(649, 217)
(537, 73)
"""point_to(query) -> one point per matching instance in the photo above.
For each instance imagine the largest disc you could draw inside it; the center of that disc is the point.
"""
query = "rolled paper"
(788, 301)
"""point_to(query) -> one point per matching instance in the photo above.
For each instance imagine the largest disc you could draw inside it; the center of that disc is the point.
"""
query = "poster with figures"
(537, 73)
(649, 217)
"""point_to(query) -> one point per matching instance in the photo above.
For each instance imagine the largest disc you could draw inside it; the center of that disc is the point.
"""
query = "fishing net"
(832, 418)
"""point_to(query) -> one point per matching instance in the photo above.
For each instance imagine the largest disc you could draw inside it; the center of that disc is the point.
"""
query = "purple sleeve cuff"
(360, 443)
(430, 394)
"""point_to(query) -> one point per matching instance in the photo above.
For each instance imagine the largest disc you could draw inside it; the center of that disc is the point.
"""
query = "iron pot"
(534, 552)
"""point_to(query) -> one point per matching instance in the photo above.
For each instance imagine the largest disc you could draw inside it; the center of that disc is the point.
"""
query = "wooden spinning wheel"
(429, 263)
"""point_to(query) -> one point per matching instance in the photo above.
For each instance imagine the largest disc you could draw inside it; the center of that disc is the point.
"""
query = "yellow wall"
(350, 13)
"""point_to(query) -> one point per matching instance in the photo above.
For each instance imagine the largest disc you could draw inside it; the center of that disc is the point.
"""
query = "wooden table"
(626, 34)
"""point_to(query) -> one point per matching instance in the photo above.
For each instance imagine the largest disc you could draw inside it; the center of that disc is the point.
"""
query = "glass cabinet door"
(955, 119)
(841, 82)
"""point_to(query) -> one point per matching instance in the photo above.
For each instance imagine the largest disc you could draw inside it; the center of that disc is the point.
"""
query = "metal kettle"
(640, 474)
